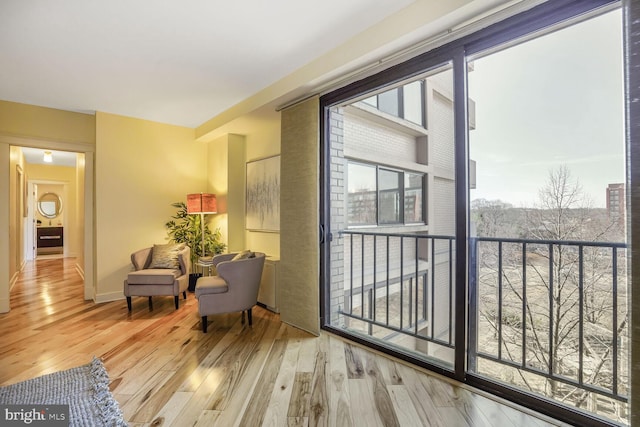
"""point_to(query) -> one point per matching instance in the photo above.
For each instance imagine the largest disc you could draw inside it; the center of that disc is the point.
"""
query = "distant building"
(616, 202)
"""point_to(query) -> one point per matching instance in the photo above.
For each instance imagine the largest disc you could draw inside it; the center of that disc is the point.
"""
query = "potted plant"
(186, 228)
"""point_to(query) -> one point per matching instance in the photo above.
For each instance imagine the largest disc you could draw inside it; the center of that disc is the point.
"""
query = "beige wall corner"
(299, 217)
(225, 178)
(253, 136)
(236, 192)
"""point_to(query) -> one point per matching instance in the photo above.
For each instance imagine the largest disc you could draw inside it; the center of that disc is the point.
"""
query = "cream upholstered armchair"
(159, 270)
(234, 288)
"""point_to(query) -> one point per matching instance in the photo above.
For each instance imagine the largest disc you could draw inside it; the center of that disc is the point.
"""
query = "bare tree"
(491, 217)
(558, 294)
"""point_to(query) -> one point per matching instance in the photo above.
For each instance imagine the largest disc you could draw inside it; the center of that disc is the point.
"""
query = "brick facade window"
(381, 196)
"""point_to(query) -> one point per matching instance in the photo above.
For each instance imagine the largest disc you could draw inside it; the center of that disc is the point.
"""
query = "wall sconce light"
(48, 157)
(202, 203)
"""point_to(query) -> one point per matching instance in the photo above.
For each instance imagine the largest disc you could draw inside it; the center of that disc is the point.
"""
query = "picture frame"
(263, 194)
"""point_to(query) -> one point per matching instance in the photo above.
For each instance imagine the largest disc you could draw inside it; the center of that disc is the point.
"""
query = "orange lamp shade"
(201, 203)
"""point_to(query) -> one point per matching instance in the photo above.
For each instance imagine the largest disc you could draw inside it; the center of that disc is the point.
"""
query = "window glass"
(372, 100)
(361, 198)
(412, 101)
(390, 194)
(413, 197)
(388, 102)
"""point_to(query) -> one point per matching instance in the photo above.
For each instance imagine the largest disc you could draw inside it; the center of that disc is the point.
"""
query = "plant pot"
(193, 278)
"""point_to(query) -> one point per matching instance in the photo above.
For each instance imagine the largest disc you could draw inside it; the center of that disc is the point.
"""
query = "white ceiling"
(60, 158)
(187, 62)
(168, 61)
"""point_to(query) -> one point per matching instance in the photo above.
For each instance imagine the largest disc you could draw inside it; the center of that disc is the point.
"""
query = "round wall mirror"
(50, 205)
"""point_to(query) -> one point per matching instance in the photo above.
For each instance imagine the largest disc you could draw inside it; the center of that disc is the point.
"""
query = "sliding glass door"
(548, 249)
(474, 212)
(393, 217)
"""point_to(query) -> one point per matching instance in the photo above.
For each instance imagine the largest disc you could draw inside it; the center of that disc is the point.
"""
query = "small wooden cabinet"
(50, 237)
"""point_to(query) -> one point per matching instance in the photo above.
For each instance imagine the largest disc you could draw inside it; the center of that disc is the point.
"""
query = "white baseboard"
(111, 296)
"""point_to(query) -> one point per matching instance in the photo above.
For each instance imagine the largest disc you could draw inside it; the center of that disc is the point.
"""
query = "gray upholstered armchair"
(235, 288)
(159, 270)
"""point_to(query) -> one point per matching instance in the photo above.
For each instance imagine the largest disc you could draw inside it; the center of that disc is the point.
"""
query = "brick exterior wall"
(368, 138)
(338, 214)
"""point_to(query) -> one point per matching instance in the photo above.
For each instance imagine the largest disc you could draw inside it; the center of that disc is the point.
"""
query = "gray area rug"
(85, 389)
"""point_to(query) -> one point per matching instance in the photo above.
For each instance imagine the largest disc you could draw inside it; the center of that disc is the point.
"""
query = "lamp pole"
(202, 235)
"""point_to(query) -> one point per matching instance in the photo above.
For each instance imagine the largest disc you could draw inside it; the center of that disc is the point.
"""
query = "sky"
(556, 100)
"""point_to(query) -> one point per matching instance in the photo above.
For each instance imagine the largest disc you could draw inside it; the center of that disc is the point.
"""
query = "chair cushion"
(243, 255)
(211, 285)
(166, 256)
(153, 276)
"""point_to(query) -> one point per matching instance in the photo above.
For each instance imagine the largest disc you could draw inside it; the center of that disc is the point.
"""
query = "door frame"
(87, 271)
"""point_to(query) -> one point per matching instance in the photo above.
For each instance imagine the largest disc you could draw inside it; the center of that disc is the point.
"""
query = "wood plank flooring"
(165, 372)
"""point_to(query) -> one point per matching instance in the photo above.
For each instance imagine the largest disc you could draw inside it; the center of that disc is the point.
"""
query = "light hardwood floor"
(165, 371)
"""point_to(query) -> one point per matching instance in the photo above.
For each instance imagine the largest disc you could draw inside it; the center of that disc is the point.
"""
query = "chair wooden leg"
(150, 304)
(175, 300)
(129, 303)
(184, 294)
(204, 324)
(242, 317)
(249, 316)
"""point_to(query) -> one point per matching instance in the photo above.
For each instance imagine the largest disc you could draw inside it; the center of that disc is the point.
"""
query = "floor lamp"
(201, 203)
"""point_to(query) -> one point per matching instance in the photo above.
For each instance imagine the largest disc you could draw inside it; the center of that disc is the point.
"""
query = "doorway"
(14, 248)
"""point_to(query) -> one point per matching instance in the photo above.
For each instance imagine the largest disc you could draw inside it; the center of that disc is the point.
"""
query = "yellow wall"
(141, 168)
(263, 140)
(28, 125)
(46, 123)
(224, 179)
(260, 132)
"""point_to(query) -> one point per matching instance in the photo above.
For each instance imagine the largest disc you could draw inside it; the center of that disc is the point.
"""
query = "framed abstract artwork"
(263, 194)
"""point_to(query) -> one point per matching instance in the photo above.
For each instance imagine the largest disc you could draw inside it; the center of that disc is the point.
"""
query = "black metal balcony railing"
(388, 283)
(580, 284)
(535, 306)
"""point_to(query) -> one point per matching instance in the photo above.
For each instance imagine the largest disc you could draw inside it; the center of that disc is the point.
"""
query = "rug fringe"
(108, 407)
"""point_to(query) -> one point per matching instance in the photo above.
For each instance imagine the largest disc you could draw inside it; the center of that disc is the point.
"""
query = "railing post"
(433, 287)
(370, 295)
(524, 304)
(614, 267)
(473, 305)
(375, 277)
(401, 282)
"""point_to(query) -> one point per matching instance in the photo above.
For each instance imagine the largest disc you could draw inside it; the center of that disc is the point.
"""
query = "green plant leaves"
(185, 228)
